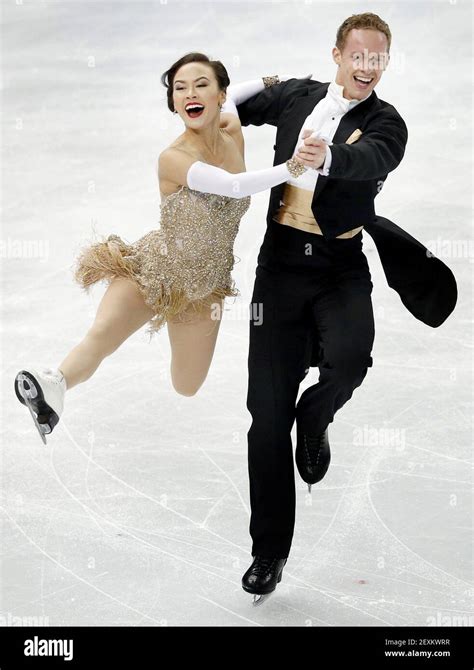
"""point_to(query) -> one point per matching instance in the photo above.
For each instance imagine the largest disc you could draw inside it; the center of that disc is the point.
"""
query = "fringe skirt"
(164, 293)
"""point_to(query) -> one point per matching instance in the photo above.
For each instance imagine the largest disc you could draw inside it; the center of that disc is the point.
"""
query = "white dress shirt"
(324, 120)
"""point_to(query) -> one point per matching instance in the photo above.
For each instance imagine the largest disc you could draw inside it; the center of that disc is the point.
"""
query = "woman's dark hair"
(167, 78)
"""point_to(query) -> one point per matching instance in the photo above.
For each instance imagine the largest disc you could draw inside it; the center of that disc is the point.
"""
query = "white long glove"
(238, 93)
(210, 179)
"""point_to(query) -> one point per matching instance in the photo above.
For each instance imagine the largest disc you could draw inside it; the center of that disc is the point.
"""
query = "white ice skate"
(42, 390)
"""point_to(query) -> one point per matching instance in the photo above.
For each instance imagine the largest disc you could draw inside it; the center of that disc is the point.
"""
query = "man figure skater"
(313, 280)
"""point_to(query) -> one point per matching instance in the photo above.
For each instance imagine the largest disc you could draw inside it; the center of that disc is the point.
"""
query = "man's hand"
(313, 152)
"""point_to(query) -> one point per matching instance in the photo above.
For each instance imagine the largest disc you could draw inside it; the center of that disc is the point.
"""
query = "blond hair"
(367, 21)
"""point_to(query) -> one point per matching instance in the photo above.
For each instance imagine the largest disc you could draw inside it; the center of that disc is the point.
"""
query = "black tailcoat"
(369, 142)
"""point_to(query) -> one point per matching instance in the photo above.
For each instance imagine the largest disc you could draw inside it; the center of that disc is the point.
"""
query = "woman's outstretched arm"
(266, 91)
(238, 93)
(177, 167)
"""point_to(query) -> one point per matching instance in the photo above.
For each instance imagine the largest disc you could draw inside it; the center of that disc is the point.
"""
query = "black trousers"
(312, 297)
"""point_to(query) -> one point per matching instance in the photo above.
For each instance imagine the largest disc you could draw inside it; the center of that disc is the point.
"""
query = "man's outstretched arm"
(379, 150)
(256, 104)
(263, 107)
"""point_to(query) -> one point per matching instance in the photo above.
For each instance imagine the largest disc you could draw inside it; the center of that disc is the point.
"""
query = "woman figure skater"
(181, 273)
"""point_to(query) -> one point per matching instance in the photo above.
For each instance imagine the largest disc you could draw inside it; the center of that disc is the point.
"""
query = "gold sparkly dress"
(181, 267)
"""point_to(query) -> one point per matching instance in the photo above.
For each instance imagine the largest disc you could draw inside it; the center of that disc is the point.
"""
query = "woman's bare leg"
(121, 312)
(192, 348)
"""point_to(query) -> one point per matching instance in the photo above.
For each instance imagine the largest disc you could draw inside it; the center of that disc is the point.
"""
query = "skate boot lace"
(55, 376)
(263, 566)
(313, 448)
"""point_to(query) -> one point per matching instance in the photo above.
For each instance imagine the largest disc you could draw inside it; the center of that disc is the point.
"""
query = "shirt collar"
(335, 92)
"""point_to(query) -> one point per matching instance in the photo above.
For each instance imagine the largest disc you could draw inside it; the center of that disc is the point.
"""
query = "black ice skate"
(312, 456)
(262, 577)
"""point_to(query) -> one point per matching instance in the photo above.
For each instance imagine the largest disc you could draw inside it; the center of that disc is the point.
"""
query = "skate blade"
(38, 425)
(26, 395)
(259, 599)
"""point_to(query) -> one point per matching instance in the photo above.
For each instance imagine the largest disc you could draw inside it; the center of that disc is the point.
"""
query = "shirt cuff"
(324, 169)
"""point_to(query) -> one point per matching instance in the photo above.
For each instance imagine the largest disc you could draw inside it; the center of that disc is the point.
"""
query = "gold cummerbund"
(296, 212)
